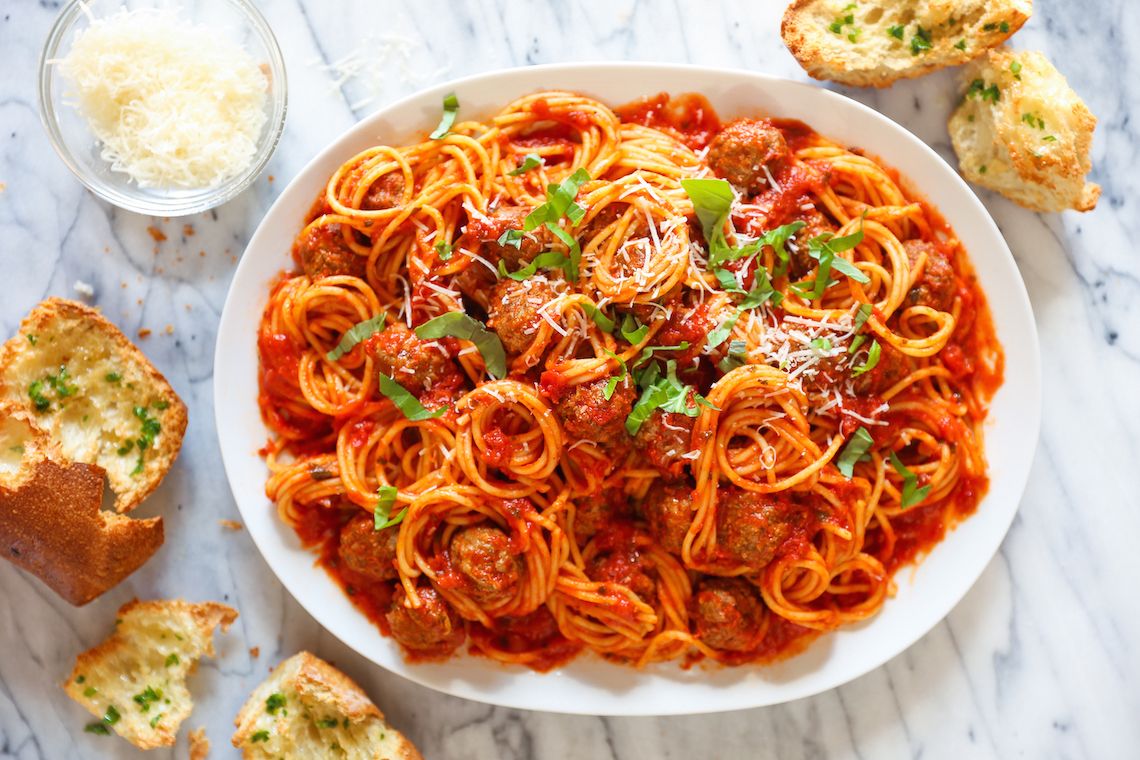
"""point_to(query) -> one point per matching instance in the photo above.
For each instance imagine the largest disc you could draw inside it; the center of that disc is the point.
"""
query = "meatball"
(587, 413)
(664, 438)
(484, 556)
(618, 560)
(610, 214)
(800, 263)
(322, 252)
(386, 192)
(496, 222)
(936, 287)
(893, 365)
(727, 614)
(593, 514)
(668, 511)
(400, 355)
(750, 527)
(368, 551)
(433, 628)
(514, 311)
(742, 150)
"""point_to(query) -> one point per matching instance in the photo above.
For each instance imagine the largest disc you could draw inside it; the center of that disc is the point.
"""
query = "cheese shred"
(175, 106)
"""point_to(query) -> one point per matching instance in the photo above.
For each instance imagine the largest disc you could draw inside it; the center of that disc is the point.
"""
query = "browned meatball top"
(491, 227)
(893, 365)
(514, 311)
(742, 150)
(433, 628)
(385, 192)
(665, 438)
(484, 555)
(411, 362)
(727, 613)
(587, 413)
(368, 551)
(751, 526)
(936, 287)
(800, 262)
(668, 511)
(322, 252)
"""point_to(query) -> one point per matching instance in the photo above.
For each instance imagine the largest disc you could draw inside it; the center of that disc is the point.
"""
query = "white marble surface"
(1040, 660)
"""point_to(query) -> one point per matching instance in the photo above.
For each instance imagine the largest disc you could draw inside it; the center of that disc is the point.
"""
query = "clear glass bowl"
(238, 20)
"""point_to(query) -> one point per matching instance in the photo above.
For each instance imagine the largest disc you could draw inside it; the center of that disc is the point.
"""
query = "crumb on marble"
(157, 234)
(170, 329)
(231, 524)
(199, 744)
(144, 331)
(187, 229)
(255, 652)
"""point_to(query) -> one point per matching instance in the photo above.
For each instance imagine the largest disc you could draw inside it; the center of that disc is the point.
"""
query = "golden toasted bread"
(51, 523)
(1021, 131)
(135, 681)
(199, 744)
(309, 710)
(96, 395)
(876, 43)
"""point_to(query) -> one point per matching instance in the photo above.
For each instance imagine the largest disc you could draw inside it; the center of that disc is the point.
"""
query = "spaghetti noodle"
(702, 389)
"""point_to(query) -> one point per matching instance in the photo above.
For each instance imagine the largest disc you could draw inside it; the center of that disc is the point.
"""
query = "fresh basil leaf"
(823, 344)
(737, 356)
(408, 404)
(548, 260)
(530, 161)
(612, 383)
(386, 497)
(721, 333)
(857, 341)
(571, 266)
(841, 264)
(727, 280)
(512, 238)
(712, 201)
(604, 323)
(872, 360)
(911, 495)
(450, 110)
(854, 451)
(559, 200)
(632, 331)
(358, 332)
(444, 250)
(648, 351)
(776, 238)
(455, 324)
(862, 314)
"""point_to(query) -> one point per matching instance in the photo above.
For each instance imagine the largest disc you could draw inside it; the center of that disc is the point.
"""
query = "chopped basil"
(382, 514)
(751, 301)
(648, 351)
(559, 203)
(776, 238)
(97, 728)
(857, 341)
(530, 161)
(148, 695)
(911, 495)
(633, 332)
(992, 93)
(712, 201)
(896, 32)
(872, 359)
(450, 110)
(571, 263)
(862, 314)
(822, 344)
(274, 703)
(512, 238)
(666, 393)
(358, 332)
(126, 448)
(612, 383)
(737, 356)
(444, 250)
(171, 659)
(458, 325)
(825, 250)
(920, 41)
(35, 393)
(408, 404)
(547, 260)
(604, 323)
(150, 430)
(258, 736)
(854, 451)
(111, 717)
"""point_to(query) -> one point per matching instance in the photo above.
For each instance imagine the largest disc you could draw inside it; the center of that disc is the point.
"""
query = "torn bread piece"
(96, 394)
(199, 744)
(874, 43)
(309, 710)
(51, 523)
(135, 681)
(1021, 131)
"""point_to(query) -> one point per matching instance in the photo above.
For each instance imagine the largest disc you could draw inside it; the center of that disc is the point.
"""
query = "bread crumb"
(187, 229)
(187, 307)
(144, 331)
(270, 177)
(156, 233)
(84, 288)
(170, 329)
(231, 524)
(255, 651)
(199, 744)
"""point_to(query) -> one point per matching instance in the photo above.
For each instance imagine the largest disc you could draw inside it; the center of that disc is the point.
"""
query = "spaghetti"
(701, 388)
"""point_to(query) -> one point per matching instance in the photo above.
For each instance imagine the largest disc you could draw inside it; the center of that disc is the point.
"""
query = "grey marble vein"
(1040, 659)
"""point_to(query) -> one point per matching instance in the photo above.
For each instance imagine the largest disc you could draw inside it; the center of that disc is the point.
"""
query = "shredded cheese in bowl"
(175, 105)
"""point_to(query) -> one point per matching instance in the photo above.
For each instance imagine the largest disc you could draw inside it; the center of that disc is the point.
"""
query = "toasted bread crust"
(59, 314)
(875, 58)
(51, 523)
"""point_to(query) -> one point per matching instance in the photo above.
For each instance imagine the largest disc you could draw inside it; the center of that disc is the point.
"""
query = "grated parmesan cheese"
(174, 105)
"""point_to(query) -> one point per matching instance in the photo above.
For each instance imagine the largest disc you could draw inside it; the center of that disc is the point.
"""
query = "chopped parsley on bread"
(96, 395)
(51, 523)
(309, 710)
(874, 43)
(1021, 131)
(135, 681)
